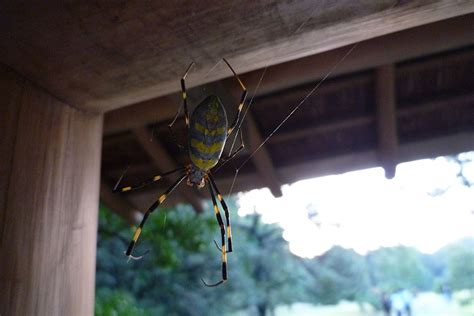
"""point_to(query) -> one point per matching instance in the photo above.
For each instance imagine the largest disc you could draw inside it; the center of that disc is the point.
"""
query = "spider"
(207, 133)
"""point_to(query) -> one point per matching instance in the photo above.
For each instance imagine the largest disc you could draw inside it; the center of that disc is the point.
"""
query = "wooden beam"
(345, 163)
(423, 149)
(49, 193)
(407, 44)
(261, 158)
(321, 129)
(386, 119)
(98, 63)
(449, 102)
(450, 34)
(119, 205)
(140, 114)
(408, 111)
(165, 163)
(142, 168)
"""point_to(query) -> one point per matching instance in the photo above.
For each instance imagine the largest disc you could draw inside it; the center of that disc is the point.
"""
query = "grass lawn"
(425, 304)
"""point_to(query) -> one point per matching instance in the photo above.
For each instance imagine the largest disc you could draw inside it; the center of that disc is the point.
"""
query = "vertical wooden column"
(386, 118)
(49, 194)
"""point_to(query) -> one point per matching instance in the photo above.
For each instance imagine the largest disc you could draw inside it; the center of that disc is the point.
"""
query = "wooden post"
(49, 194)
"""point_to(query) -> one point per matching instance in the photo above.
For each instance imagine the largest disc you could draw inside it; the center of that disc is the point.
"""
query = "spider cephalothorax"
(207, 133)
(196, 176)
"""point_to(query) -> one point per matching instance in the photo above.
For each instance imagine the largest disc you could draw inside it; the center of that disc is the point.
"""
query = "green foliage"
(116, 303)
(454, 265)
(460, 267)
(351, 270)
(166, 281)
(263, 274)
(170, 269)
(340, 274)
(270, 271)
(399, 267)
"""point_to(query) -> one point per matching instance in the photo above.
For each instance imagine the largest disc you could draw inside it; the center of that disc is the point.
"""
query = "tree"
(463, 161)
(339, 274)
(178, 256)
(262, 272)
(460, 266)
(398, 267)
(273, 274)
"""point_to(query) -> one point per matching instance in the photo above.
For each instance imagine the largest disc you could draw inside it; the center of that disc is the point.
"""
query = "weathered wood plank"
(105, 57)
(49, 201)
(450, 34)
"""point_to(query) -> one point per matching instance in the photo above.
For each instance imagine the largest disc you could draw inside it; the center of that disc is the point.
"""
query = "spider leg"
(143, 183)
(185, 106)
(185, 102)
(242, 99)
(150, 210)
(223, 250)
(226, 212)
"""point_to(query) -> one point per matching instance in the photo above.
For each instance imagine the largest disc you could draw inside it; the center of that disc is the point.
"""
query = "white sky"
(364, 211)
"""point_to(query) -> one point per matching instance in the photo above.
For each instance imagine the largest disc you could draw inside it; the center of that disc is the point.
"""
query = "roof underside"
(102, 55)
(334, 131)
(403, 92)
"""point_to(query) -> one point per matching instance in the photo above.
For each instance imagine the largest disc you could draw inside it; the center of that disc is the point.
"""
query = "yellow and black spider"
(207, 134)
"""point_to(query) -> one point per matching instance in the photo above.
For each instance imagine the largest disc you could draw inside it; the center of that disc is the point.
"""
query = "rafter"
(409, 110)
(426, 148)
(118, 204)
(139, 114)
(164, 163)
(386, 119)
(261, 158)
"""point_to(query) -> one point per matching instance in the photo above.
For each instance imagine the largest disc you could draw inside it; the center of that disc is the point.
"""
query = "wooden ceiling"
(404, 92)
(343, 126)
(102, 55)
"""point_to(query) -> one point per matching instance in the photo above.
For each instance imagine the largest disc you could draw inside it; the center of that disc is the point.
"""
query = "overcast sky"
(364, 211)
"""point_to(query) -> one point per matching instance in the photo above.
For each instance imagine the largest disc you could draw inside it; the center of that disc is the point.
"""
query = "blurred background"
(350, 244)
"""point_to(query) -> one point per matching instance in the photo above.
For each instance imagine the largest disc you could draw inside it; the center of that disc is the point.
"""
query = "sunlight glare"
(364, 211)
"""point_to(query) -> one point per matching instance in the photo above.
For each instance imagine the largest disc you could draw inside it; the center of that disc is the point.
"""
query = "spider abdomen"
(207, 133)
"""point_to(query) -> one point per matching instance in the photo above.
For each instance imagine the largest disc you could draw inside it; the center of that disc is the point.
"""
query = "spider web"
(287, 117)
(294, 109)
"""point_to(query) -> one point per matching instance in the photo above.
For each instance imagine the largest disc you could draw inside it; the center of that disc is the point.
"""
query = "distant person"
(386, 304)
(447, 293)
(407, 299)
(398, 303)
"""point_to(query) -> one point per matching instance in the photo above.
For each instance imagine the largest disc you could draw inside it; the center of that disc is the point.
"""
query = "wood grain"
(424, 40)
(104, 56)
(50, 158)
